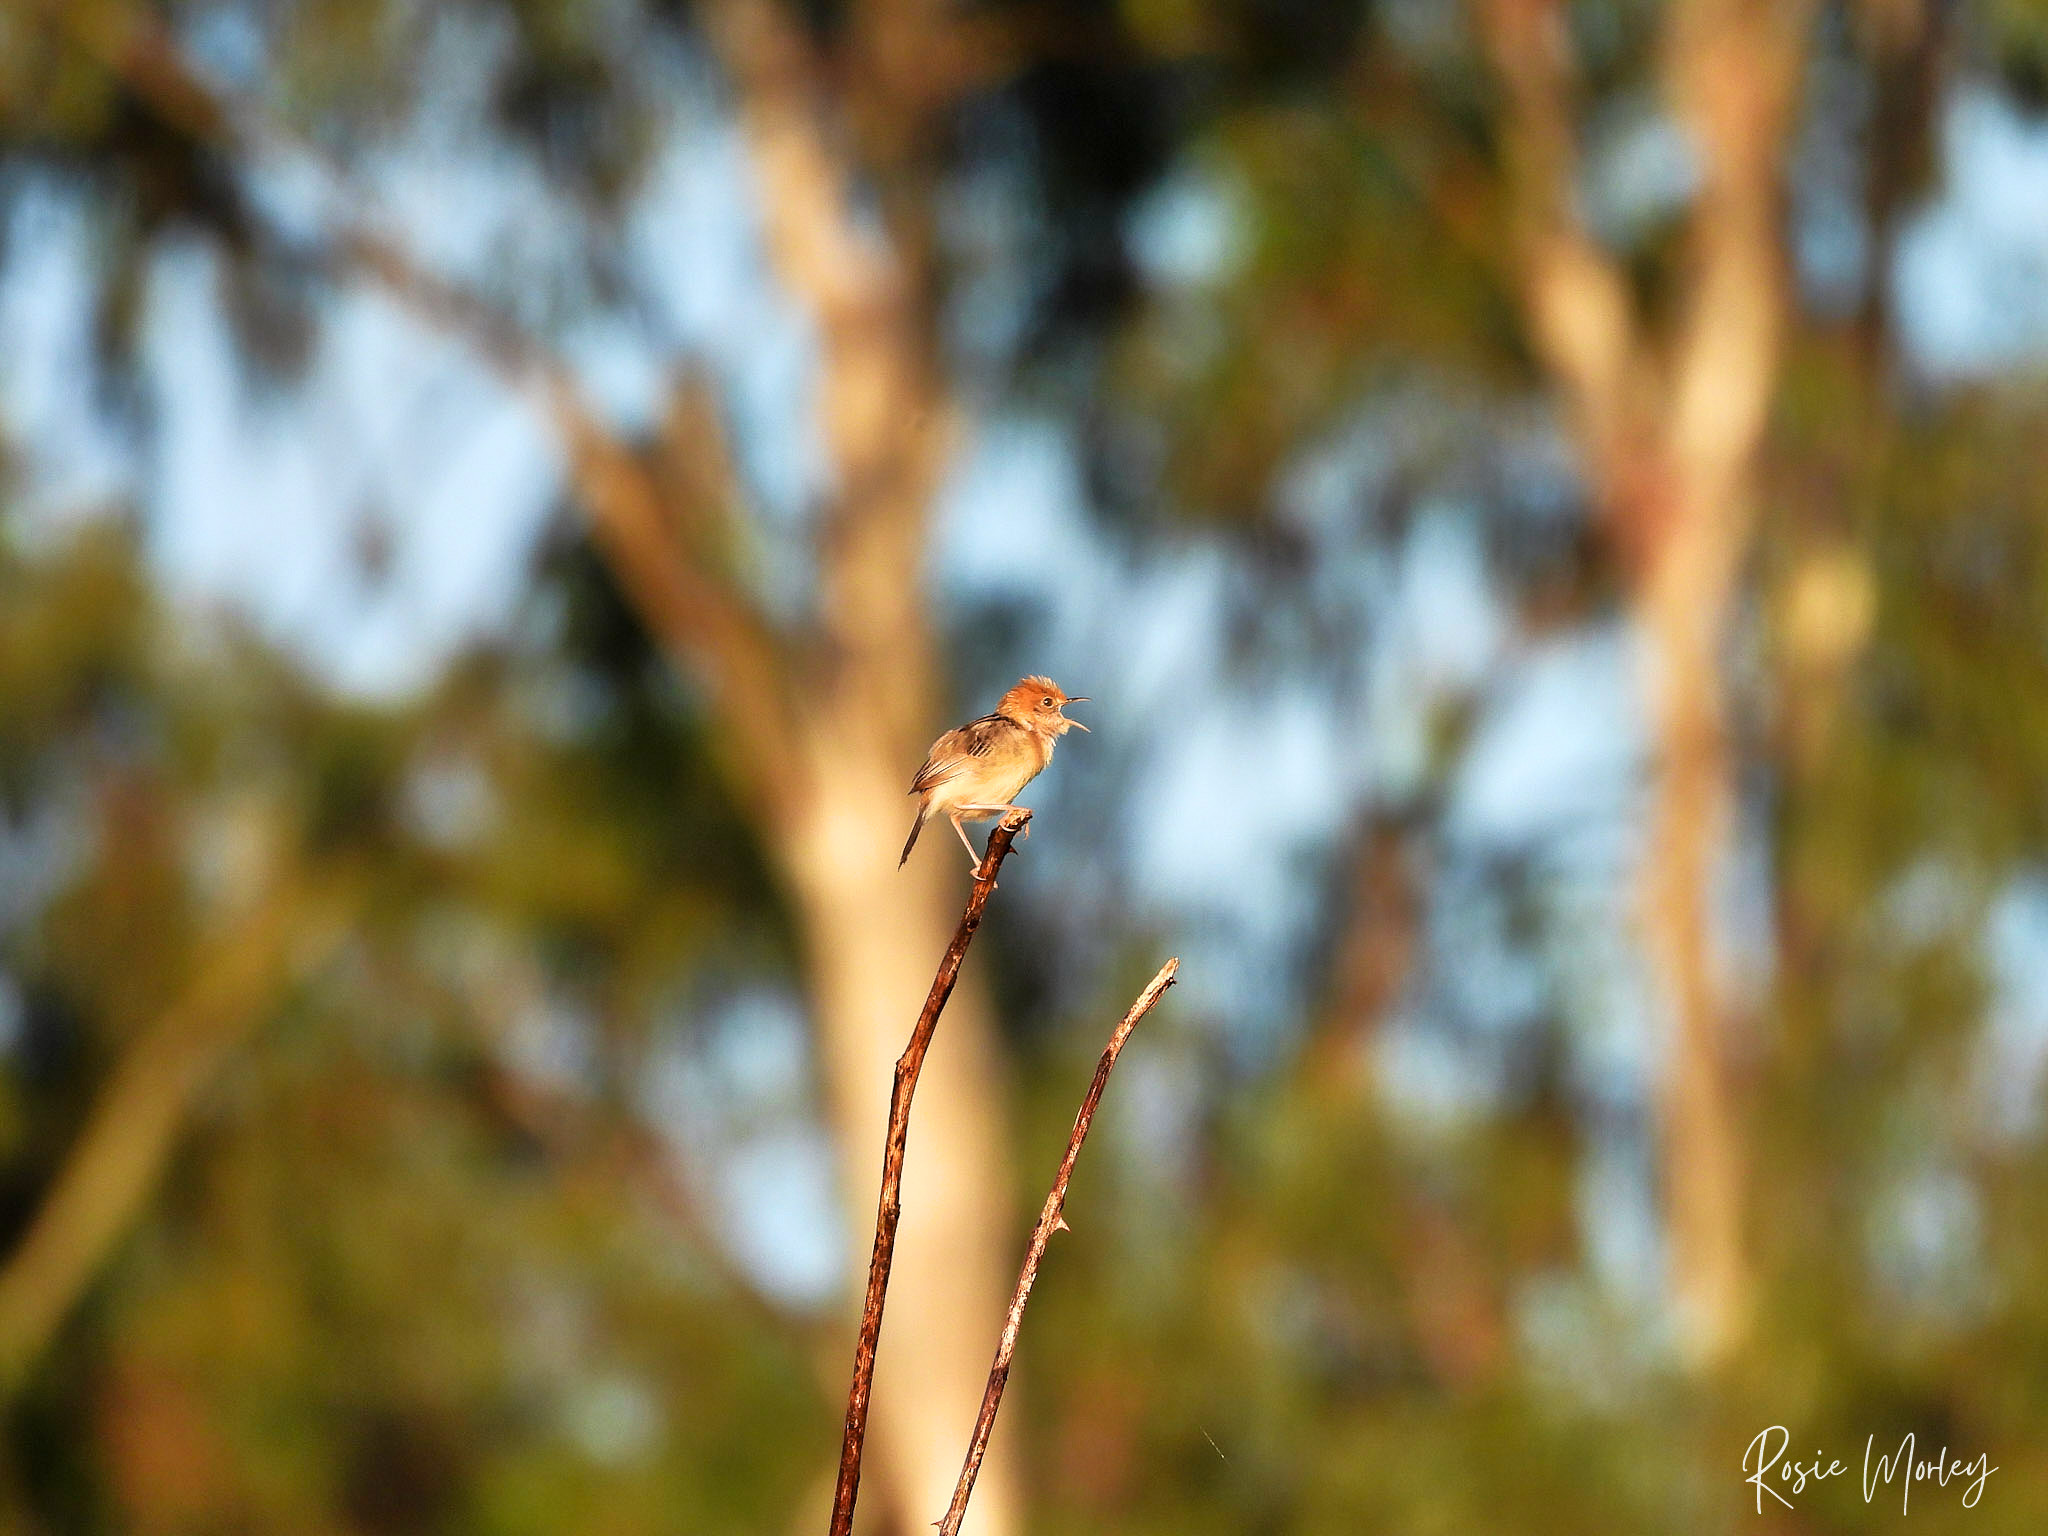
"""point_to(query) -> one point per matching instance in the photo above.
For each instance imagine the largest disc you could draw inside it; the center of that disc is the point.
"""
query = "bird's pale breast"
(1012, 760)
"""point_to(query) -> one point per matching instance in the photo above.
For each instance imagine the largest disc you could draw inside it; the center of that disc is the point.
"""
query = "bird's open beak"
(1077, 725)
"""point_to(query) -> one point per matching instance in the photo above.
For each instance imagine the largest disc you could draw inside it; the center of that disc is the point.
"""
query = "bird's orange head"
(1036, 702)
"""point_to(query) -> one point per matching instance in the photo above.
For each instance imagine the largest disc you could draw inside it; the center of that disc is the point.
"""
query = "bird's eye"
(1046, 701)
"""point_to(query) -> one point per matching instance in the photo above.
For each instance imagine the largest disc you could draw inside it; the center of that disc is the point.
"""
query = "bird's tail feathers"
(917, 826)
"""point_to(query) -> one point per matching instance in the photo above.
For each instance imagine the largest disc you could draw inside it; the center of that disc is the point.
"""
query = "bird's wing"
(956, 749)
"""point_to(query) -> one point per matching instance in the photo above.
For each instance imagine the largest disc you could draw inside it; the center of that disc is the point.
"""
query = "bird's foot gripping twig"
(1015, 824)
(1016, 817)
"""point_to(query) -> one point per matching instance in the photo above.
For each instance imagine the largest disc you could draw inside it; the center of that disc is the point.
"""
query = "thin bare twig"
(890, 1208)
(1050, 1220)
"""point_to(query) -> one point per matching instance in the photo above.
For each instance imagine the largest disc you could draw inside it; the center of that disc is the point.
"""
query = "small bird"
(974, 772)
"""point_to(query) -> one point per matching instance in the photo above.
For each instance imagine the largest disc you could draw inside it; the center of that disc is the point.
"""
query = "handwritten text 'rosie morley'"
(1772, 1472)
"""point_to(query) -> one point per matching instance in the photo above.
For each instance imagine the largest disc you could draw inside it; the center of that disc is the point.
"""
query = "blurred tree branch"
(1379, 929)
(1908, 43)
(108, 1175)
(1670, 435)
(706, 626)
(1449, 1281)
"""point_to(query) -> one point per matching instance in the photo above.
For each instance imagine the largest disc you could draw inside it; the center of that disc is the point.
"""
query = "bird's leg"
(973, 858)
(999, 810)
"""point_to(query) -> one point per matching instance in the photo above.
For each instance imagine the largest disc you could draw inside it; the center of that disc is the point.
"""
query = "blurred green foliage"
(395, 1282)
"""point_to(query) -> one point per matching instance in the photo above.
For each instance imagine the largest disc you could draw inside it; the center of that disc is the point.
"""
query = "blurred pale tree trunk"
(1668, 428)
(865, 700)
(821, 723)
